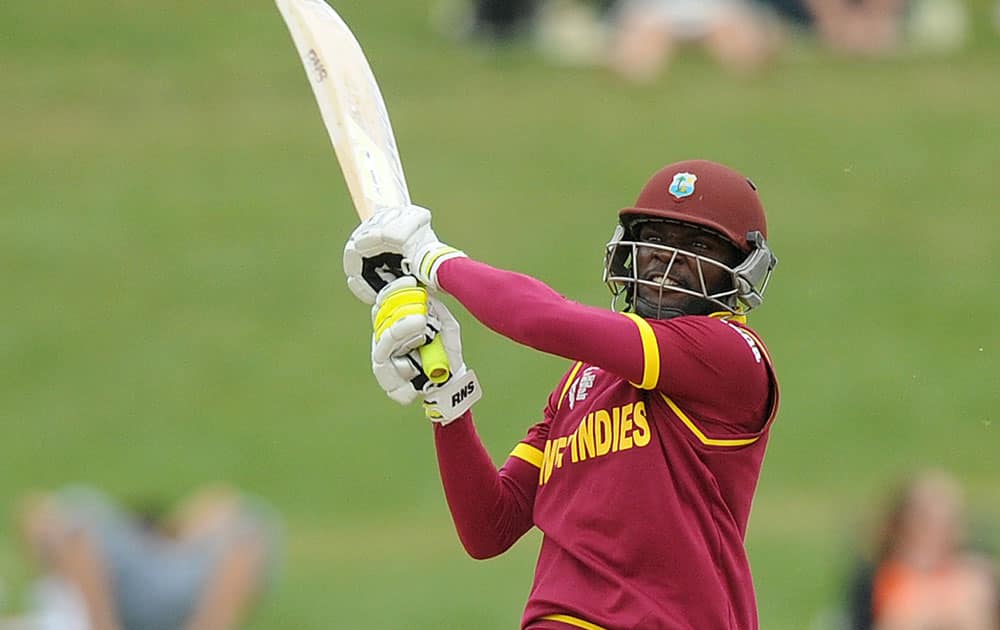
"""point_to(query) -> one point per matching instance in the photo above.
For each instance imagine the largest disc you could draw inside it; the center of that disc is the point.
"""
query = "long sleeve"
(711, 366)
(491, 508)
(529, 312)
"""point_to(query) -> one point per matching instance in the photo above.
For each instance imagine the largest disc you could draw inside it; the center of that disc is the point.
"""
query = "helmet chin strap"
(649, 310)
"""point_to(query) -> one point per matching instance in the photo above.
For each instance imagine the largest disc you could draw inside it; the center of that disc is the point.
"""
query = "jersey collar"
(729, 316)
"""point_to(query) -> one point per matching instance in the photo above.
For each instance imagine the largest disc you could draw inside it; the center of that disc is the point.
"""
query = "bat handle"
(435, 361)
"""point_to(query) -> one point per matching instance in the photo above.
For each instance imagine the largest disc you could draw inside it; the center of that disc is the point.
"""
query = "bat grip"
(435, 361)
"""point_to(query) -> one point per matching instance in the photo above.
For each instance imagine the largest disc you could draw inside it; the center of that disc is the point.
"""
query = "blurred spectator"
(569, 30)
(866, 27)
(878, 27)
(639, 38)
(200, 567)
(650, 32)
(502, 19)
(636, 38)
(575, 32)
(922, 575)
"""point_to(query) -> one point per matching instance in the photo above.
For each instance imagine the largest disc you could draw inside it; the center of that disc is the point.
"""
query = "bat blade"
(357, 122)
(350, 103)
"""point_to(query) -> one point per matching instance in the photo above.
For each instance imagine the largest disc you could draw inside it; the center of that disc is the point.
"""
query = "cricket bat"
(357, 121)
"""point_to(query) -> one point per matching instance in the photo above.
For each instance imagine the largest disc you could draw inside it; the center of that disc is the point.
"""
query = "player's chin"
(659, 309)
(670, 305)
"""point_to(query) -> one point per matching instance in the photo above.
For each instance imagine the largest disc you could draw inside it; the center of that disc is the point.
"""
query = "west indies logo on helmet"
(681, 202)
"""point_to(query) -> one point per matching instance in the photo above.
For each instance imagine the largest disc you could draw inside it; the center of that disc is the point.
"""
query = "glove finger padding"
(388, 230)
(405, 318)
(399, 319)
(400, 378)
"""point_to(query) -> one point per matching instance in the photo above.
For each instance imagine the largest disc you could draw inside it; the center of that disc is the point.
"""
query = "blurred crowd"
(205, 562)
(923, 569)
(99, 564)
(638, 39)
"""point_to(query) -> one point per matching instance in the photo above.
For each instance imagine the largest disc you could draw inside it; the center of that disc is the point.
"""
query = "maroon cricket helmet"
(702, 193)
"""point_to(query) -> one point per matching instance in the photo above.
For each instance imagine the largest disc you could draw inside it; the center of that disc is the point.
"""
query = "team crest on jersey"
(683, 185)
(583, 383)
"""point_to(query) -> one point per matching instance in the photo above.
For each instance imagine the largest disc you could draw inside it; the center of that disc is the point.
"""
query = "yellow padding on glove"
(400, 304)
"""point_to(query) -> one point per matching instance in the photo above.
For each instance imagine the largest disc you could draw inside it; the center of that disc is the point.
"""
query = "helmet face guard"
(743, 293)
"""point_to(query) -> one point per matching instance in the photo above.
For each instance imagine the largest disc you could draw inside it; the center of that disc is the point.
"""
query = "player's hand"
(390, 243)
(405, 318)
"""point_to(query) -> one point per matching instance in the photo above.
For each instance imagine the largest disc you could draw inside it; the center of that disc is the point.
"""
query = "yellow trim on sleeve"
(650, 353)
(573, 621)
(569, 381)
(704, 439)
(528, 453)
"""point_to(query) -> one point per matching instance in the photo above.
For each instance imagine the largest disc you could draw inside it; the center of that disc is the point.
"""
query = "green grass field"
(171, 224)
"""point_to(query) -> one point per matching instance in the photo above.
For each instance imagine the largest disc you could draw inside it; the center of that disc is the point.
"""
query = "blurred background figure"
(649, 32)
(501, 20)
(200, 566)
(878, 27)
(872, 28)
(635, 38)
(639, 38)
(865, 27)
(506, 20)
(923, 575)
(573, 32)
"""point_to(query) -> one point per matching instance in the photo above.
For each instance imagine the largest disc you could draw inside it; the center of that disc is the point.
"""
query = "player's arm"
(517, 306)
(705, 365)
(491, 509)
(531, 313)
(687, 360)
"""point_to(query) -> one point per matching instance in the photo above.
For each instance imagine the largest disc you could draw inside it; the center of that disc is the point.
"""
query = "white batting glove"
(390, 243)
(405, 318)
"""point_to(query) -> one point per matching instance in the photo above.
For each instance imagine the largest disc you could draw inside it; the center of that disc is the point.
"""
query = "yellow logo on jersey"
(600, 433)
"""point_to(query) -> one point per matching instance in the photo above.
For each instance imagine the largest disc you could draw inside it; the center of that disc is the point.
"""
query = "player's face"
(653, 263)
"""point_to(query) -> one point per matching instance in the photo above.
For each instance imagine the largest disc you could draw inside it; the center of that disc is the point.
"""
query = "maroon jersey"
(642, 472)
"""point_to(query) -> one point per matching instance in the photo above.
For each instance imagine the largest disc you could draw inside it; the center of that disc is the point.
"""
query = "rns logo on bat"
(317, 65)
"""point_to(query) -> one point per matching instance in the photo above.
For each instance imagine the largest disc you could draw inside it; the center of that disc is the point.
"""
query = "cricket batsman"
(641, 471)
